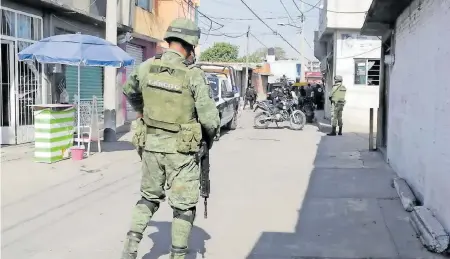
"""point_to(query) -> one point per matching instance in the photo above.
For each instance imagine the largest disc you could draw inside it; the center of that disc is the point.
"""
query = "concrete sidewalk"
(349, 209)
(276, 194)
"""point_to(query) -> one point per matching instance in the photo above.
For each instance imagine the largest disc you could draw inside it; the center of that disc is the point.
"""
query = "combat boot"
(178, 253)
(333, 132)
(131, 245)
(340, 131)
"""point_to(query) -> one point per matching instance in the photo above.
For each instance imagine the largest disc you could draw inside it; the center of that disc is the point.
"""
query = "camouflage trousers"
(178, 173)
(336, 114)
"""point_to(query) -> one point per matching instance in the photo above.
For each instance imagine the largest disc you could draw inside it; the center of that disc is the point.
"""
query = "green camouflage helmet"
(338, 78)
(183, 29)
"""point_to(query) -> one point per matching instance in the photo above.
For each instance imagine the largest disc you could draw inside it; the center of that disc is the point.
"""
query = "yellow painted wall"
(155, 23)
(148, 23)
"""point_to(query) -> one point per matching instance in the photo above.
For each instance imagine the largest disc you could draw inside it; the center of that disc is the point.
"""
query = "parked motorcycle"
(262, 105)
(280, 112)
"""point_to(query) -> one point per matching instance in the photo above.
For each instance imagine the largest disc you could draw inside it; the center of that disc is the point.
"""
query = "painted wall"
(350, 46)
(98, 8)
(418, 120)
(156, 22)
(342, 20)
(170, 10)
(149, 23)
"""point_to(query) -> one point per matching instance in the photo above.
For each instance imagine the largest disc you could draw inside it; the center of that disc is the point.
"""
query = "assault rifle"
(203, 158)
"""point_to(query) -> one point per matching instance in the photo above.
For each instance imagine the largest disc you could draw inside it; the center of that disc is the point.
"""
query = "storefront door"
(7, 93)
(21, 81)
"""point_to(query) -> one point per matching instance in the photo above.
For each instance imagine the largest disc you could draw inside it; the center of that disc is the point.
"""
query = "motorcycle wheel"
(261, 120)
(297, 120)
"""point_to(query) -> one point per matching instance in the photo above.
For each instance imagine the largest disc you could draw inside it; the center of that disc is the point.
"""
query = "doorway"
(7, 93)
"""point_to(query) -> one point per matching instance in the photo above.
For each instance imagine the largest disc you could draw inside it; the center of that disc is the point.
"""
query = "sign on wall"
(356, 44)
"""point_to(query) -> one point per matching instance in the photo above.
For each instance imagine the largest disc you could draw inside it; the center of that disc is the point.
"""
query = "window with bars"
(367, 71)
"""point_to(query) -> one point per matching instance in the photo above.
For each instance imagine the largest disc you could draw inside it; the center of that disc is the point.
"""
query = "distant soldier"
(250, 96)
(337, 98)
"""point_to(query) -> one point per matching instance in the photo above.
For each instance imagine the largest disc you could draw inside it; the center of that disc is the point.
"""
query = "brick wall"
(419, 103)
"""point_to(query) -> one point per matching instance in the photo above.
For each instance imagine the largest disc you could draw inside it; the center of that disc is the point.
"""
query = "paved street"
(276, 194)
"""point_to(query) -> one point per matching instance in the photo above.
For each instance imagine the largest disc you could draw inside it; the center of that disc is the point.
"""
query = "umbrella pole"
(79, 110)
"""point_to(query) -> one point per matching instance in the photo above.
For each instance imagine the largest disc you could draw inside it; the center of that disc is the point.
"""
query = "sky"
(235, 9)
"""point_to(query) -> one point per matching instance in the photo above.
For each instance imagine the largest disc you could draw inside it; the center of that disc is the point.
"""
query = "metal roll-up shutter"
(137, 52)
(91, 83)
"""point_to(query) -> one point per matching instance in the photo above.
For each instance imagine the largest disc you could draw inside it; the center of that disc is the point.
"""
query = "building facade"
(151, 18)
(413, 120)
(140, 30)
(343, 51)
(23, 84)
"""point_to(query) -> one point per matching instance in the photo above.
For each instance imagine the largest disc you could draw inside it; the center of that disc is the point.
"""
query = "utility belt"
(188, 137)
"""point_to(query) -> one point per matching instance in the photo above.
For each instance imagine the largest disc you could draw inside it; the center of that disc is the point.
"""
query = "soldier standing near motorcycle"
(171, 96)
(337, 98)
(250, 96)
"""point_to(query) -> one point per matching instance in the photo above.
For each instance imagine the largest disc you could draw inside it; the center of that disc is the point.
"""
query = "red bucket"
(77, 153)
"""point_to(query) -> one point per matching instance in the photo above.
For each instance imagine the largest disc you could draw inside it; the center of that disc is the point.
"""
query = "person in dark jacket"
(250, 96)
(319, 96)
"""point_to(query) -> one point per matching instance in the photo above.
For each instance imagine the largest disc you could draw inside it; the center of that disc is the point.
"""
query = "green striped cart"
(54, 128)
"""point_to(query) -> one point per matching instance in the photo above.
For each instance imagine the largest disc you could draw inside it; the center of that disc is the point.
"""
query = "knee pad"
(151, 205)
(186, 215)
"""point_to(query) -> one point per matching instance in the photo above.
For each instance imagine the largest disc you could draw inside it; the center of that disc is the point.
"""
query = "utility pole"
(302, 59)
(246, 62)
(110, 97)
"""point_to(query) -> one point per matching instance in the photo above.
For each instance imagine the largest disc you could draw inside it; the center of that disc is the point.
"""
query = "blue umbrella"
(77, 50)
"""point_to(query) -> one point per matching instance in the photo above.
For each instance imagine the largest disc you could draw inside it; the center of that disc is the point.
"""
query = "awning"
(382, 15)
(73, 13)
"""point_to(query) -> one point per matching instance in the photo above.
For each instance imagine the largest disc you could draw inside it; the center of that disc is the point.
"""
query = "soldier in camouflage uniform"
(172, 97)
(337, 98)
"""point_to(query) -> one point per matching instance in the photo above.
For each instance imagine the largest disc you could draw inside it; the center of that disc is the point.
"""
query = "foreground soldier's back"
(173, 98)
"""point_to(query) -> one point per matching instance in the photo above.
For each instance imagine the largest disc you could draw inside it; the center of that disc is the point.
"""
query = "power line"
(331, 11)
(281, 36)
(250, 19)
(204, 15)
(230, 33)
(312, 7)
(303, 15)
(281, 1)
(307, 43)
(227, 35)
(260, 42)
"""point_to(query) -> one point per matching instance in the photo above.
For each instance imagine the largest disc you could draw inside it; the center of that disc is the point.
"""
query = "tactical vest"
(338, 93)
(168, 100)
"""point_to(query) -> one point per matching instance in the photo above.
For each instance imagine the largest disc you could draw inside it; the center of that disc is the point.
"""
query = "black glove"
(209, 138)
